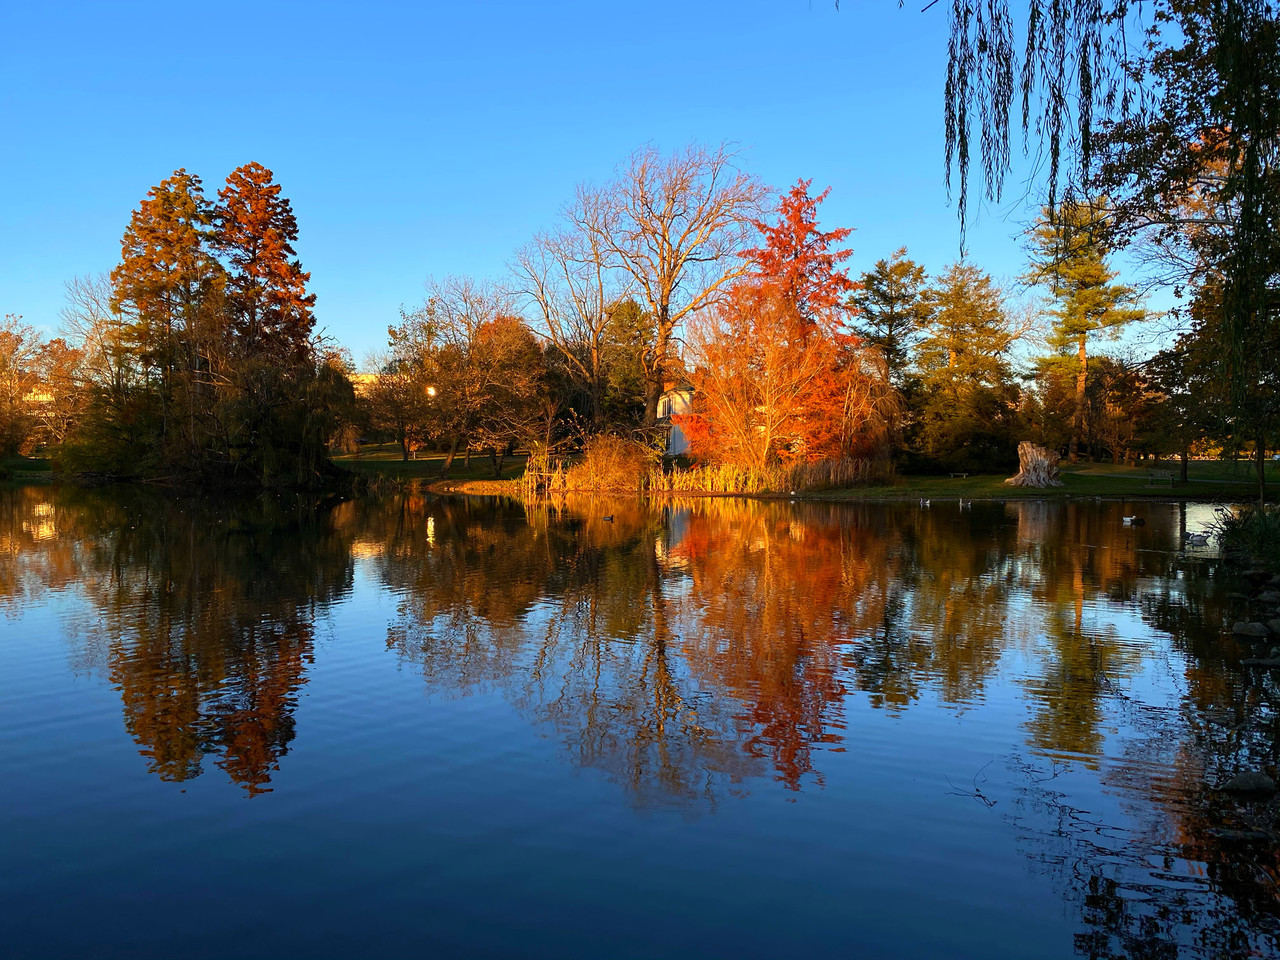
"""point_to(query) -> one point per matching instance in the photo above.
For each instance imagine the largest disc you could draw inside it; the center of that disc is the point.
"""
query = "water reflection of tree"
(579, 636)
(686, 649)
(1076, 558)
(202, 616)
(680, 646)
(1190, 874)
(940, 615)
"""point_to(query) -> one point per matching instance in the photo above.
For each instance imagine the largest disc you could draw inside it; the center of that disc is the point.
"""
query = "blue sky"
(423, 139)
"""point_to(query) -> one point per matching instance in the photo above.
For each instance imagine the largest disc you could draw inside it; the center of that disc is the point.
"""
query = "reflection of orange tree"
(580, 639)
(767, 617)
(203, 631)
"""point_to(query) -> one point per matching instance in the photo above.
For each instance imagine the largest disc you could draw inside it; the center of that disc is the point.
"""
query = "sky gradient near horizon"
(419, 140)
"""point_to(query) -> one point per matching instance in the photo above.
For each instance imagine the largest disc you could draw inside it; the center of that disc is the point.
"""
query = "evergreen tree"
(1070, 259)
(217, 373)
(166, 283)
(266, 285)
(969, 399)
(892, 310)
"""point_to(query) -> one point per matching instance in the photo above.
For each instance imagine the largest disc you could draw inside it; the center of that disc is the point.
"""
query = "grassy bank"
(25, 469)
(385, 460)
(1213, 480)
(1210, 480)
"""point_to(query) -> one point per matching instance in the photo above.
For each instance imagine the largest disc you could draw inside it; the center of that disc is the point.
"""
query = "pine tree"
(892, 310)
(266, 285)
(1071, 260)
(166, 281)
(967, 379)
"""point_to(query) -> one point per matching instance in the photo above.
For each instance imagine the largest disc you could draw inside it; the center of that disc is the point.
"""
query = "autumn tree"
(1071, 246)
(759, 382)
(166, 284)
(395, 399)
(481, 370)
(674, 225)
(95, 325)
(266, 287)
(777, 372)
(60, 370)
(19, 351)
(202, 361)
(568, 279)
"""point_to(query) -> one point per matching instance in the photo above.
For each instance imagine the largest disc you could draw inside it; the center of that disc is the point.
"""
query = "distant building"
(676, 399)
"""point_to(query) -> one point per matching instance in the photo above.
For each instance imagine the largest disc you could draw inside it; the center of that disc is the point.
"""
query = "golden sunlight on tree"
(674, 224)
(779, 375)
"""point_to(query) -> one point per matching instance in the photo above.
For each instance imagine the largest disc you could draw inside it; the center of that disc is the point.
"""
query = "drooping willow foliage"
(1171, 109)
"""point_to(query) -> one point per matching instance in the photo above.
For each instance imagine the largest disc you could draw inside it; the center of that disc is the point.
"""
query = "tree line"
(197, 356)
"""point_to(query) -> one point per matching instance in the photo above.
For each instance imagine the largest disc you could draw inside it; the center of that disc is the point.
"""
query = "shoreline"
(511, 488)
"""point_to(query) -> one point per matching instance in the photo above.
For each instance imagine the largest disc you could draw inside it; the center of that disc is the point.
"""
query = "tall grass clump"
(775, 478)
(612, 465)
(1253, 532)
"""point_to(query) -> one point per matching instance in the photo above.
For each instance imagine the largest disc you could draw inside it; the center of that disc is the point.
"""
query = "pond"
(705, 728)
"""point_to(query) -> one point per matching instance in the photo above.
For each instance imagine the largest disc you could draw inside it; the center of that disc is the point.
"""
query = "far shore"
(1209, 481)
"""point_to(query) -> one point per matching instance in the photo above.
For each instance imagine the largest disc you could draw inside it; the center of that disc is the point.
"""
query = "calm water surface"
(415, 726)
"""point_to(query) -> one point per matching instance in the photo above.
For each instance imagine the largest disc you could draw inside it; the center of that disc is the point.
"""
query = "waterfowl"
(923, 502)
(1134, 521)
(965, 504)
(1198, 539)
(608, 519)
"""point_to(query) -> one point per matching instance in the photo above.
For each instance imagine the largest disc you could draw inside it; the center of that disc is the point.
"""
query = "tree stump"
(1037, 467)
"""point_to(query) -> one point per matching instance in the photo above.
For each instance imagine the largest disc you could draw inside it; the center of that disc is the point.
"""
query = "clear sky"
(423, 139)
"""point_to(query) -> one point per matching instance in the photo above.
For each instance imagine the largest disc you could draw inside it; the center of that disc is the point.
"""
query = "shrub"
(612, 464)
(1251, 531)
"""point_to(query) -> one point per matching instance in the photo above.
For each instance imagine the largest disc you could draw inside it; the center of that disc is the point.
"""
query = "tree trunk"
(1037, 467)
(448, 460)
(1077, 423)
(496, 459)
(1183, 456)
(404, 448)
(1260, 464)
(653, 395)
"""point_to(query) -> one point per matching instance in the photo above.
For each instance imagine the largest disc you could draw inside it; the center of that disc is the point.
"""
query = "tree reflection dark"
(203, 614)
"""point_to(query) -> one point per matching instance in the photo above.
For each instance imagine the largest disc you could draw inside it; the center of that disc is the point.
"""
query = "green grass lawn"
(1207, 480)
(384, 459)
(26, 468)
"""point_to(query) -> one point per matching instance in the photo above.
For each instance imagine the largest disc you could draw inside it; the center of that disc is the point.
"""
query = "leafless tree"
(674, 224)
(568, 280)
(91, 323)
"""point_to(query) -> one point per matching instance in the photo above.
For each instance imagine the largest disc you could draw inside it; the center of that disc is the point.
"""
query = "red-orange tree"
(778, 374)
(266, 285)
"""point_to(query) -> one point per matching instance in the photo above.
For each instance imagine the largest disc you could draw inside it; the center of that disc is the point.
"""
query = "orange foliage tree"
(266, 284)
(777, 372)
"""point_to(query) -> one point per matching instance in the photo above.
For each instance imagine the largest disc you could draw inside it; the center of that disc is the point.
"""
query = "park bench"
(1159, 476)
(961, 475)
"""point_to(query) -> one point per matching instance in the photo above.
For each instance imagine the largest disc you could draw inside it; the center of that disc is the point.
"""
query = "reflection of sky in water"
(732, 727)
